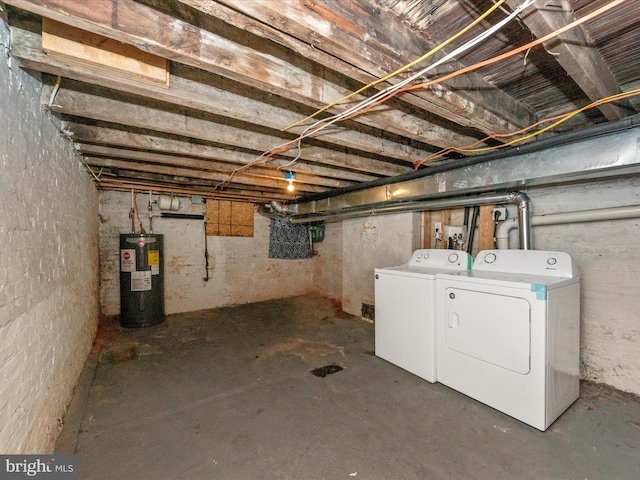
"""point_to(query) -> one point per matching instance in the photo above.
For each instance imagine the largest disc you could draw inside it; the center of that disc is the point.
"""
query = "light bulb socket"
(290, 177)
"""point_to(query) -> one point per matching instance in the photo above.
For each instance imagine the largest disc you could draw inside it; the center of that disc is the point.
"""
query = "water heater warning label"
(154, 261)
(127, 260)
(141, 281)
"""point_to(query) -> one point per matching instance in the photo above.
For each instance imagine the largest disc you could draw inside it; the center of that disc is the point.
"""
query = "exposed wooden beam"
(82, 133)
(377, 44)
(486, 226)
(215, 170)
(145, 186)
(197, 89)
(161, 34)
(120, 111)
(104, 54)
(192, 173)
(575, 52)
(184, 184)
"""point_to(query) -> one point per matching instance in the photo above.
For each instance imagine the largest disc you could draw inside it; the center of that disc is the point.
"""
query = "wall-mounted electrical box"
(454, 232)
(502, 213)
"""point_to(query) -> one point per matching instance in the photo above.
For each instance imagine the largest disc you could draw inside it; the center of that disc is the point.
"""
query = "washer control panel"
(440, 258)
(531, 262)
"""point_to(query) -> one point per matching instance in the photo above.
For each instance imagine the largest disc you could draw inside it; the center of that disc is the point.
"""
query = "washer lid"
(407, 271)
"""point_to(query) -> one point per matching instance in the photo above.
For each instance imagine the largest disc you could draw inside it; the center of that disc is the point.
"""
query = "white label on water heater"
(141, 281)
(127, 260)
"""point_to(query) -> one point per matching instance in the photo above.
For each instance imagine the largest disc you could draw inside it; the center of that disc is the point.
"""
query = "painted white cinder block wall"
(48, 268)
(369, 243)
(239, 268)
(608, 257)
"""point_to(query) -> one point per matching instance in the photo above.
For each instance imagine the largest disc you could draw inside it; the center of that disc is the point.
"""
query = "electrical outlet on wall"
(502, 211)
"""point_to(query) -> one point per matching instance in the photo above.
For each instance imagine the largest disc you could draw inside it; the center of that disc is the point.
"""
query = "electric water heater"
(141, 280)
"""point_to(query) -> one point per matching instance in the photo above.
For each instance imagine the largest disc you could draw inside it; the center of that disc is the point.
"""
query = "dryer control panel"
(531, 262)
(439, 258)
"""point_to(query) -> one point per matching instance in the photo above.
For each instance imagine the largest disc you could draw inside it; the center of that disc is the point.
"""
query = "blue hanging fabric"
(289, 241)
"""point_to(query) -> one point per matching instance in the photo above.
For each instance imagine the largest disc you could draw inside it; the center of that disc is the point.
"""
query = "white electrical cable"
(387, 92)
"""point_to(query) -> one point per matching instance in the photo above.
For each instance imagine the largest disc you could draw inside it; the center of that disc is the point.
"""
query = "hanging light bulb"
(290, 177)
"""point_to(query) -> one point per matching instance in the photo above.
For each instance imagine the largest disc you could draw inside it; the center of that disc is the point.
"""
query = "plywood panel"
(72, 44)
(242, 213)
(225, 218)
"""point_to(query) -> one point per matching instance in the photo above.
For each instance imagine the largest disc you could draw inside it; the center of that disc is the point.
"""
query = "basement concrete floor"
(228, 394)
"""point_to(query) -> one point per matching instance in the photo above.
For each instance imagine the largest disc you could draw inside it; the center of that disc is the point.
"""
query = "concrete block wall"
(369, 243)
(608, 257)
(48, 268)
(327, 273)
(239, 268)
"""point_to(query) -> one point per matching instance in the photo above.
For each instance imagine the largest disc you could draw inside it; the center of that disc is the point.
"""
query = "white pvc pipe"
(502, 232)
(612, 213)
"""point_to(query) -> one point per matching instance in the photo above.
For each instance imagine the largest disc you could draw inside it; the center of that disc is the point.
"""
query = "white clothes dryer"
(509, 333)
(405, 309)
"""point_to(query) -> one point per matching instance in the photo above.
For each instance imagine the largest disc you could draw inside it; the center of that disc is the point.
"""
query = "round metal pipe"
(520, 199)
(598, 130)
(524, 219)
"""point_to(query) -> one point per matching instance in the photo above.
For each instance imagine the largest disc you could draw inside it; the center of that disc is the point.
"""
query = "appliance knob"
(552, 261)
(490, 257)
(452, 296)
(377, 276)
(453, 258)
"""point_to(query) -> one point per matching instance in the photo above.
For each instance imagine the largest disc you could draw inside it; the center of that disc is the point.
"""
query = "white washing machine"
(509, 333)
(405, 308)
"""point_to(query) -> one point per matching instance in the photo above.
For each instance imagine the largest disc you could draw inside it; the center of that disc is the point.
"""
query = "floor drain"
(326, 370)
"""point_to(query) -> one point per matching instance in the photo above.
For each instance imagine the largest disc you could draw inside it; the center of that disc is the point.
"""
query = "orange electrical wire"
(496, 5)
(470, 68)
(511, 53)
(490, 61)
(561, 118)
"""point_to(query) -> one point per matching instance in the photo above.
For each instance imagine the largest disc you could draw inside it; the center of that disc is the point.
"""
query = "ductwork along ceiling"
(254, 90)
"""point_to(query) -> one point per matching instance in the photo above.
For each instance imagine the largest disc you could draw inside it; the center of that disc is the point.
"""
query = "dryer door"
(490, 327)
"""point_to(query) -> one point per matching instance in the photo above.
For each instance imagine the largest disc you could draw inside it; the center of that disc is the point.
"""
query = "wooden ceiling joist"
(575, 52)
(190, 87)
(240, 71)
(160, 34)
(175, 170)
(96, 107)
(92, 134)
(377, 43)
(215, 170)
